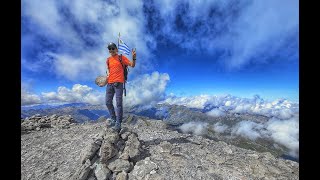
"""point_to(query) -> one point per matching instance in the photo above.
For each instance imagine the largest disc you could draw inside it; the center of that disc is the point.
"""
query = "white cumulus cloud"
(197, 128)
(27, 96)
(192, 101)
(247, 129)
(78, 93)
(216, 113)
(146, 89)
(219, 127)
(285, 132)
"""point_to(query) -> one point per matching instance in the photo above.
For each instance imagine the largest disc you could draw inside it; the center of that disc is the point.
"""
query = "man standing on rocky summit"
(115, 79)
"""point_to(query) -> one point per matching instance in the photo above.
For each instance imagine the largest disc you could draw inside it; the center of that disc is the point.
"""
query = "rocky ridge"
(37, 122)
(144, 149)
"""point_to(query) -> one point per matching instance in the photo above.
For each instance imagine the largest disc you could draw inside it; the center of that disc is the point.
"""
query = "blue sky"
(184, 48)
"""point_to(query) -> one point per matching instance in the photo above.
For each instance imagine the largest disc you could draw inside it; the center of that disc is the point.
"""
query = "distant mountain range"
(50, 106)
(85, 112)
(81, 112)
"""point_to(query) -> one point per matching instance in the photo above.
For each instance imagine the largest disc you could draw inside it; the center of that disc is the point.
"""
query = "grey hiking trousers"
(115, 88)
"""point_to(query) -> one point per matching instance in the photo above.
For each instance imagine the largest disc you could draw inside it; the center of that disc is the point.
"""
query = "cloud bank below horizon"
(283, 132)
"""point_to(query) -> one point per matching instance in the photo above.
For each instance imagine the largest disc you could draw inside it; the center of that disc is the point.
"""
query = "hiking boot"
(112, 122)
(117, 126)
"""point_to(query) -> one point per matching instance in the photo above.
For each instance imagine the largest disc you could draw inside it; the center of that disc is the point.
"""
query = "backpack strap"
(120, 59)
(107, 66)
(124, 84)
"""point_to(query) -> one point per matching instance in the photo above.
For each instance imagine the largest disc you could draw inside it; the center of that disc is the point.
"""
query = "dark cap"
(112, 45)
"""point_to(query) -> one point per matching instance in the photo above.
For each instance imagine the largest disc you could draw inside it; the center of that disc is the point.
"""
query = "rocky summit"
(55, 148)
